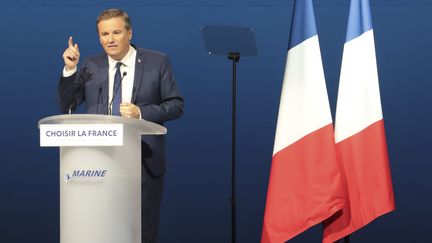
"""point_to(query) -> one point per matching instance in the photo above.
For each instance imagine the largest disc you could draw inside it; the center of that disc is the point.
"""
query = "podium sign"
(100, 175)
(55, 135)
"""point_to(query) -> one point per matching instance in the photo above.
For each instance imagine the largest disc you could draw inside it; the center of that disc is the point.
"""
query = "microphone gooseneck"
(115, 93)
(99, 99)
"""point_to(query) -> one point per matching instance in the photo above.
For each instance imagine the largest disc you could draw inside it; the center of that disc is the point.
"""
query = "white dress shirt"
(127, 82)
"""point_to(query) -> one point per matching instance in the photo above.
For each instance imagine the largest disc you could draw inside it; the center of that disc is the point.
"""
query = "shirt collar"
(127, 59)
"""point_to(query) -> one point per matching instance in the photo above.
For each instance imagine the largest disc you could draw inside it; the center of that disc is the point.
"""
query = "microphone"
(99, 99)
(114, 94)
(85, 75)
(74, 103)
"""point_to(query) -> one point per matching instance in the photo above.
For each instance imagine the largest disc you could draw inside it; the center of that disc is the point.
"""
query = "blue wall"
(196, 207)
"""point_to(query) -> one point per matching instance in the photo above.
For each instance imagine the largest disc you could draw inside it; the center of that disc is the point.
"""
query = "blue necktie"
(117, 91)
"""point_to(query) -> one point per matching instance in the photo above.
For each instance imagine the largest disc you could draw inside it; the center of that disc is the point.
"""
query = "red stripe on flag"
(368, 188)
(304, 186)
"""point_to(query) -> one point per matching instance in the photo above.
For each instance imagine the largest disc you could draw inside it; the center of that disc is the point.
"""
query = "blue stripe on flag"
(303, 22)
(359, 20)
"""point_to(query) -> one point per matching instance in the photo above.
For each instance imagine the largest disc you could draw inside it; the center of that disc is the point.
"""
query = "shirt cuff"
(68, 73)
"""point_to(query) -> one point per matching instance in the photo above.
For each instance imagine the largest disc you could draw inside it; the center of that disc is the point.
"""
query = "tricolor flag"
(359, 133)
(304, 186)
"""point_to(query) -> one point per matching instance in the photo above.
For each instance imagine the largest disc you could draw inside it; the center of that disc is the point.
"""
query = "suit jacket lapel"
(139, 69)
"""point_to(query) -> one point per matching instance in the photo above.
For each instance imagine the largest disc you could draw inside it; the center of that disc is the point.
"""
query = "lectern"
(100, 175)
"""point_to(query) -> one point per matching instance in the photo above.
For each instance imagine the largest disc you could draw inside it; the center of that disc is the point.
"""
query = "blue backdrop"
(196, 199)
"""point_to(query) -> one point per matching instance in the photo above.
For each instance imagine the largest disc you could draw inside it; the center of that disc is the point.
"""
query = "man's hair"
(113, 13)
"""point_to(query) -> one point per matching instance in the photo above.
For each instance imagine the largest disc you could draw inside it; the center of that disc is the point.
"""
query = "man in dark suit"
(144, 81)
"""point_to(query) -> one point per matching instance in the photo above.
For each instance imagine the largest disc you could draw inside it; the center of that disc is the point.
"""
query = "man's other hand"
(130, 110)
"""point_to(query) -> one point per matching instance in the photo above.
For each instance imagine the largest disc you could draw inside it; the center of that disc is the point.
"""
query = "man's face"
(114, 37)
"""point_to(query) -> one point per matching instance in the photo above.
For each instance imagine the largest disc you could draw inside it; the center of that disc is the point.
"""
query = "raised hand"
(71, 55)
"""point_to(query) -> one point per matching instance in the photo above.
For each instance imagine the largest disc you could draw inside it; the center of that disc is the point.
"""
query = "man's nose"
(110, 38)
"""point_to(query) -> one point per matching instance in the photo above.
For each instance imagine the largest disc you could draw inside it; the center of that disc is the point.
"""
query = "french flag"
(305, 180)
(359, 132)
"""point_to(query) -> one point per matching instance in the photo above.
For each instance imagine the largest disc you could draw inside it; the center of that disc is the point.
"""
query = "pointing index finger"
(70, 42)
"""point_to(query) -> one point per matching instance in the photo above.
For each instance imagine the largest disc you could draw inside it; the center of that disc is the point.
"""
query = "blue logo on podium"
(85, 177)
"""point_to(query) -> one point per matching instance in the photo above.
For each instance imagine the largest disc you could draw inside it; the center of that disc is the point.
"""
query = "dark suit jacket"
(154, 91)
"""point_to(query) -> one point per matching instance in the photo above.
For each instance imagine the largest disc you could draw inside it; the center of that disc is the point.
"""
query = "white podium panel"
(100, 186)
(54, 135)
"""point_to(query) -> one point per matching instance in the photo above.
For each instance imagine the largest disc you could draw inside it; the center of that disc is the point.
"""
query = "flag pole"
(346, 239)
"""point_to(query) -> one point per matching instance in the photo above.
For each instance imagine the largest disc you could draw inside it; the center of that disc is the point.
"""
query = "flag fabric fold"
(359, 131)
(305, 181)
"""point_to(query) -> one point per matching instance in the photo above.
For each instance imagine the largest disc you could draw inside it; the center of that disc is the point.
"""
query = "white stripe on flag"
(358, 103)
(304, 105)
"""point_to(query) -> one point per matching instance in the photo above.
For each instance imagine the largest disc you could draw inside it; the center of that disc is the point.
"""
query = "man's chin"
(113, 55)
